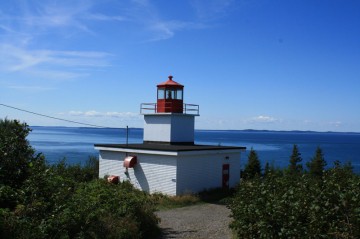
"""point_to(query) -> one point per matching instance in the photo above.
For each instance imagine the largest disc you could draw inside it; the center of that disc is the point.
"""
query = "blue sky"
(264, 64)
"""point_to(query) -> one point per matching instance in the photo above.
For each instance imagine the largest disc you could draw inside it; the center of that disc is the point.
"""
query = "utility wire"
(51, 117)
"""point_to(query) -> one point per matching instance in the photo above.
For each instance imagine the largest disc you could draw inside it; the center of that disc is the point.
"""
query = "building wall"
(182, 128)
(204, 171)
(160, 171)
(111, 163)
(169, 128)
(157, 128)
(173, 174)
(160, 174)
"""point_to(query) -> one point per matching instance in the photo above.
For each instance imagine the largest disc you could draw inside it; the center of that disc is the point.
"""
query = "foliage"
(252, 168)
(295, 159)
(16, 155)
(59, 208)
(317, 164)
(298, 206)
(38, 200)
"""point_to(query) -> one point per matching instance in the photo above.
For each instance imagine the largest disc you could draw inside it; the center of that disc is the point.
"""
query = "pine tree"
(295, 159)
(317, 164)
(252, 168)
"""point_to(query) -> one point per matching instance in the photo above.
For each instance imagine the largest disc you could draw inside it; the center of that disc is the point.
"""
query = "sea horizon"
(260, 130)
(76, 144)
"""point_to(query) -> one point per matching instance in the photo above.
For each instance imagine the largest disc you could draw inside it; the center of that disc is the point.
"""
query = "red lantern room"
(170, 97)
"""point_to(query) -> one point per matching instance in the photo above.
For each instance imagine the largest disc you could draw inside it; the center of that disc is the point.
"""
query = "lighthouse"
(169, 160)
(169, 120)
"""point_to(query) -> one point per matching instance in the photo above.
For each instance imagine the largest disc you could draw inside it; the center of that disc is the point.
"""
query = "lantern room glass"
(179, 94)
(170, 94)
(161, 94)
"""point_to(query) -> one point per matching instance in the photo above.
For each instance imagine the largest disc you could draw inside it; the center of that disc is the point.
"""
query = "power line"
(51, 117)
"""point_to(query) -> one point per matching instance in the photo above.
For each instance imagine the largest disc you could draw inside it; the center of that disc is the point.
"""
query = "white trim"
(170, 153)
(140, 151)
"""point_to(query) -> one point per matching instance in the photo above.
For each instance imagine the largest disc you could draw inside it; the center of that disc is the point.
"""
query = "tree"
(252, 168)
(295, 159)
(16, 154)
(317, 164)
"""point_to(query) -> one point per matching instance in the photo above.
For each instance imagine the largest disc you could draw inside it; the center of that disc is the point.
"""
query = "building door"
(225, 175)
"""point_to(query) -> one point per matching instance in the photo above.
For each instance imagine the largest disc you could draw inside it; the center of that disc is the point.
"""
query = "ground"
(199, 221)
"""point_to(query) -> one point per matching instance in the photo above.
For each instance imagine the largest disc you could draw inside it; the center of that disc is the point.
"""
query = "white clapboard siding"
(111, 163)
(152, 173)
(172, 174)
(199, 172)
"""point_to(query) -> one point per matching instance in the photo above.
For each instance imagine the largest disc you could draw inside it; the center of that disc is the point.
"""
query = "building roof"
(168, 147)
(170, 82)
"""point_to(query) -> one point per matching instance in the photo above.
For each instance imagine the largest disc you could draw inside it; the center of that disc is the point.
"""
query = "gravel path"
(199, 221)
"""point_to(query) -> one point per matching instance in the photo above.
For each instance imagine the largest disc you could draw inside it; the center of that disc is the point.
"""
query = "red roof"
(170, 82)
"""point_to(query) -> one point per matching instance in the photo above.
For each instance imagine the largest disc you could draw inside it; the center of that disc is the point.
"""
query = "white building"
(168, 161)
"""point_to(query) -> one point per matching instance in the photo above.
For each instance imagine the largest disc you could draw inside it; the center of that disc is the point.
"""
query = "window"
(170, 94)
(161, 94)
(179, 94)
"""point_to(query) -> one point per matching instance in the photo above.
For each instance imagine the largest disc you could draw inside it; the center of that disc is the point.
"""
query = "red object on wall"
(113, 179)
(170, 97)
(130, 161)
(225, 175)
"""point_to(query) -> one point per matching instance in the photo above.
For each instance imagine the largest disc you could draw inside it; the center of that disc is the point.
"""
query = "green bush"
(298, 206)
(16, 154)
(38, 200)
(102, 210)
(93, 209)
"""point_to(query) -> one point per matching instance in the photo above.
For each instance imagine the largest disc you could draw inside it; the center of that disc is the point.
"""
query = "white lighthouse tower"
(169, 120)
(169, 160)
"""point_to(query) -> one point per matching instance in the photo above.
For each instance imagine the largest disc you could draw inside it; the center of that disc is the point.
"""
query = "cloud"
(34, 19)
(112, 114)
(49, 63)
(30, 88)
(163, 30)
(146, 14)
(335, 123)
(211, 9)
(263, 119)
(44, 15)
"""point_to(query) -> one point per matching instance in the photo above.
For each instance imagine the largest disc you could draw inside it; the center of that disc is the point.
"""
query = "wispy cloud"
(163, 30)
(26, 26)
(263, 119)
(25, 29)
(93, 113)
(211, 9)
(32, 89)
(49, 63)
(336, 124)
(46, 15)
(146, 14)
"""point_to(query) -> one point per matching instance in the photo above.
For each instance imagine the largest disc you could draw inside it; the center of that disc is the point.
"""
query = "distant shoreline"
(227, 130)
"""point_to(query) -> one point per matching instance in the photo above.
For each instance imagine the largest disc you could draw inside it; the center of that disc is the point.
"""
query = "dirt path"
(199, 221)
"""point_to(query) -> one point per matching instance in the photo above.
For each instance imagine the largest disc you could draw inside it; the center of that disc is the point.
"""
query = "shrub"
(16, 154)
(298, 206)
(106, 210)
(93, 209)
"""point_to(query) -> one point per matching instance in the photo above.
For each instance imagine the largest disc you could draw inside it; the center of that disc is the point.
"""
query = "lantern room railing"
(151, 108)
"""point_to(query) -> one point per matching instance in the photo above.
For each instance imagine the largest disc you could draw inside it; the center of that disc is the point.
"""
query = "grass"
(217, 195)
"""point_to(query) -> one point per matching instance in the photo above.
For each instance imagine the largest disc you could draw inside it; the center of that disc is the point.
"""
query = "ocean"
(76, 144)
